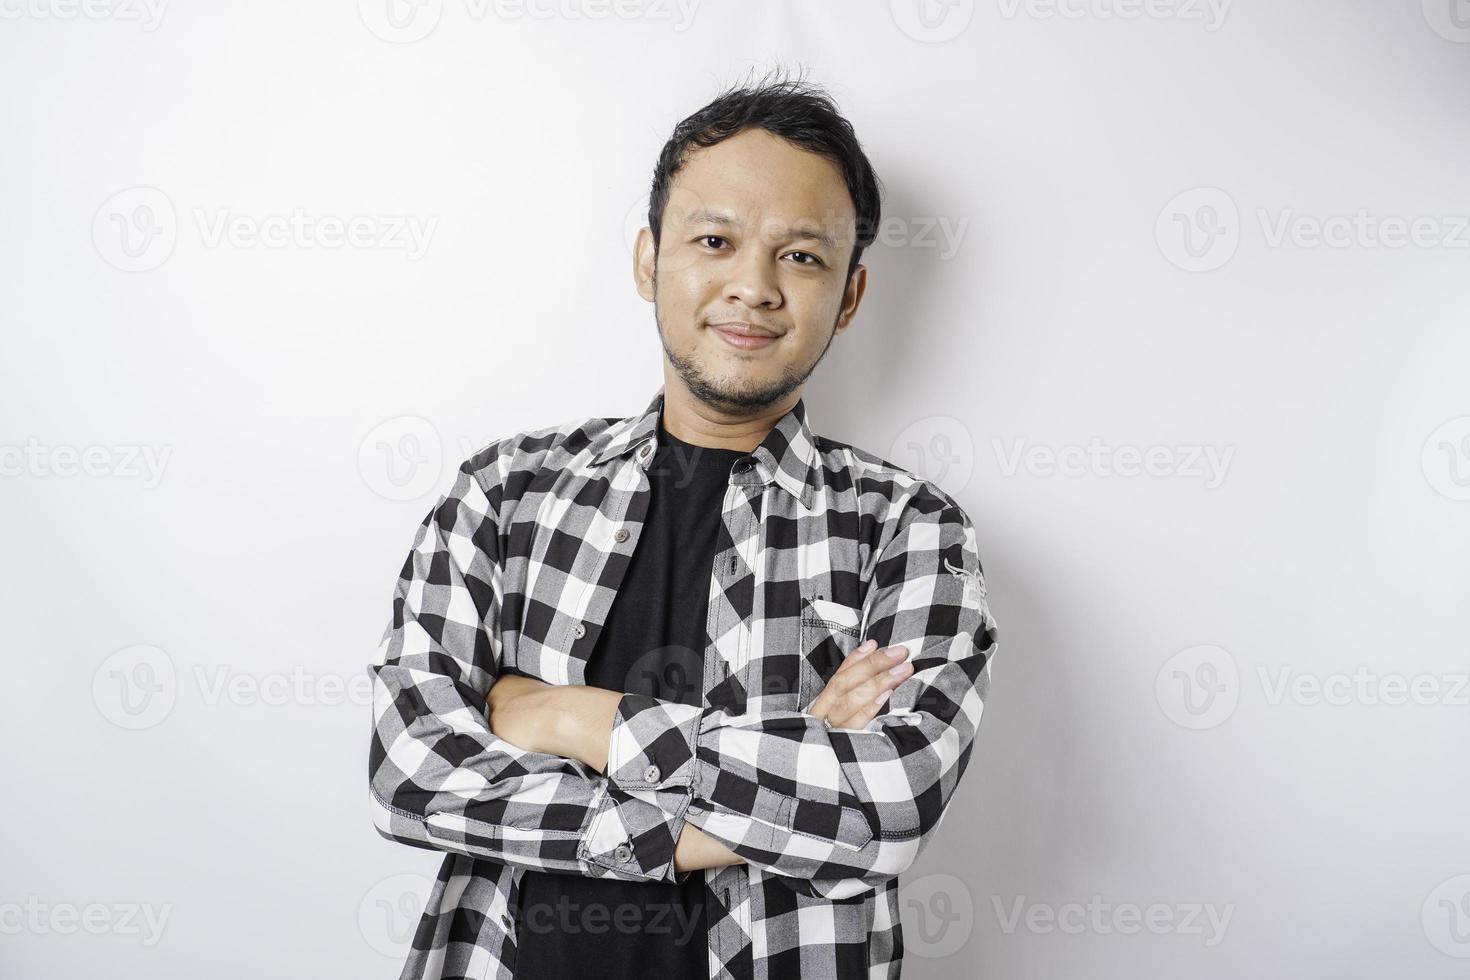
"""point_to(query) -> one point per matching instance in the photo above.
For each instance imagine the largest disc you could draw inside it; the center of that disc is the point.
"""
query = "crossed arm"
(610, 786)
(576, 722)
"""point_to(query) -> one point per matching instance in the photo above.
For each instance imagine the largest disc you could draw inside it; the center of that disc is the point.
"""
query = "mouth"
(745, 336)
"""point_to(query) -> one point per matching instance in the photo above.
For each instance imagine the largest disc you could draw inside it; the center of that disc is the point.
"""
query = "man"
(681, 694)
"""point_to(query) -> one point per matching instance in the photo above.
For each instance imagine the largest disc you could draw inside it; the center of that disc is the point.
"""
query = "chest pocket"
(829, 632)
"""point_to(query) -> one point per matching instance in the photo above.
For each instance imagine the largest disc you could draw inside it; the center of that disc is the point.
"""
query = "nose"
(753, 279)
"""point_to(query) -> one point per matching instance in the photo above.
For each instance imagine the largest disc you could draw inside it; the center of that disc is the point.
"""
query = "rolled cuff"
(632, 835)
(652, 744)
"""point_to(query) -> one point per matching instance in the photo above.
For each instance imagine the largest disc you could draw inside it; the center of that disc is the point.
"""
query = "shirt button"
(624, 853)
(505, 921)
(621, 535)
(650, 775)
(579, 631)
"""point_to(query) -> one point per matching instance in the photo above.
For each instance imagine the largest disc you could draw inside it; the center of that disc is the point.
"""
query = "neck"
(698, 424)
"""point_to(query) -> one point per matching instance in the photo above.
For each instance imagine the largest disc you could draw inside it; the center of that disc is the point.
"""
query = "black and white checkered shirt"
(823, 545)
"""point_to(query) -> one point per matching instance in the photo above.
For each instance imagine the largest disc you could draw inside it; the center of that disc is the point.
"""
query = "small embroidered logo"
(974, 581)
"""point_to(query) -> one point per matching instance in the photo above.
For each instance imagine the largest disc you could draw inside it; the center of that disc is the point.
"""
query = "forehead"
(756, 173)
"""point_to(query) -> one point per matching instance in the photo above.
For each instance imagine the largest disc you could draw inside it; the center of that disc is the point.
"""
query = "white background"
(1205, 686)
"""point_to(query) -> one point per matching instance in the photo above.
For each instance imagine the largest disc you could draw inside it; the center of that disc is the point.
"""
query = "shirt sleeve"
(438, 777)
(832, 811)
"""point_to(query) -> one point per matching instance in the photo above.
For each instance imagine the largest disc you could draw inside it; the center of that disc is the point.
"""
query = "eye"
(709, 238)
(814, 259)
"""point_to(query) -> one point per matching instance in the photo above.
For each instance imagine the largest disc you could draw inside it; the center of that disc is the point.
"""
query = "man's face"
(741, 247)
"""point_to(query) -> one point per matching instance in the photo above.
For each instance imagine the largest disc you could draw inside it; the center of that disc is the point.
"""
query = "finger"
(833, 685)
(860, 668)
(850, 665)
(880, 684)
(861, 716)
(861, 703)
(871, 666)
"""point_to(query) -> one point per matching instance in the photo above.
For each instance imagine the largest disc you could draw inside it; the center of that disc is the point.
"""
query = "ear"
(852, 298)
(645, 261)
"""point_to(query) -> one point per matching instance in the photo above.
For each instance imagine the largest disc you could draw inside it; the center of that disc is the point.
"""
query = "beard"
(737, 397)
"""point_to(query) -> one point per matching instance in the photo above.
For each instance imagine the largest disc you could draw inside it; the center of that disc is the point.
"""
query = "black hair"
(800, 113)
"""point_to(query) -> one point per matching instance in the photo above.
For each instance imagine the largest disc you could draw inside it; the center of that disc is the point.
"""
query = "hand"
(516, 714)
(865, 679)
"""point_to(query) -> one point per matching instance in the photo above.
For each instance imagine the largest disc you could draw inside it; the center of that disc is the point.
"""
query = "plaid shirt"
(822, 545)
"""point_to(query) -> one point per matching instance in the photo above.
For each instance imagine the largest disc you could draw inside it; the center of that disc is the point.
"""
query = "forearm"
(577, 724)
(573, 721)
(697, 850)
(441, 779)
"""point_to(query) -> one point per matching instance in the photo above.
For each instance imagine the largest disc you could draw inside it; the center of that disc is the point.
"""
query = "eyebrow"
(803, 231)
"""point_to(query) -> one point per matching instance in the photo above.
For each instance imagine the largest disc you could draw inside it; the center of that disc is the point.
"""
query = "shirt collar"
(786, 455)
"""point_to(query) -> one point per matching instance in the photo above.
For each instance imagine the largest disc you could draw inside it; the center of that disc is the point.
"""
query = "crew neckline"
(667, 438)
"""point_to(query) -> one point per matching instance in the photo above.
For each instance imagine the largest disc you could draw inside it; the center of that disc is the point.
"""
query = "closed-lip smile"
(745, 336)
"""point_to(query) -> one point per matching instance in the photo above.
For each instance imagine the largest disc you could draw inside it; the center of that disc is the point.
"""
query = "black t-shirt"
(652, 643)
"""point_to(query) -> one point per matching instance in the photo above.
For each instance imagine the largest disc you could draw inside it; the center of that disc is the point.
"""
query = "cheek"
(683, 288)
